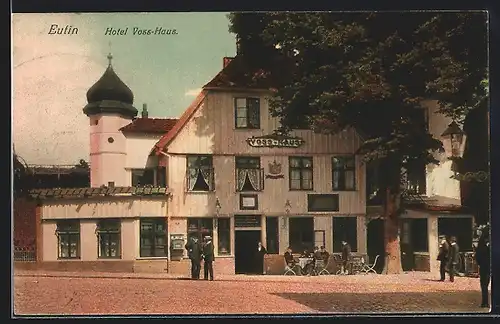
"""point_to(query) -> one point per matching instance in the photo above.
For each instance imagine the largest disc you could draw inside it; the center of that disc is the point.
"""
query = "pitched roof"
(68, 193)
(238, 74)
(150, 125)
(186, 116)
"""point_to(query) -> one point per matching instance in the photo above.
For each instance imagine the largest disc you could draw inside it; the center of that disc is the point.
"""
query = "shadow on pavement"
(396, 302)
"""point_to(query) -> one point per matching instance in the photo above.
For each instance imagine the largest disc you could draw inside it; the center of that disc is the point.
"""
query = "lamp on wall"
(217, 211)
(288, 207)
(453, 139)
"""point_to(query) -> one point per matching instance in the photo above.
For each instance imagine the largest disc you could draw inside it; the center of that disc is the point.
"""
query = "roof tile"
(150, 125)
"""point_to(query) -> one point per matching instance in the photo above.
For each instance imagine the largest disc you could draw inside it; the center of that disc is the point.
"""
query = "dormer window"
(247, 113)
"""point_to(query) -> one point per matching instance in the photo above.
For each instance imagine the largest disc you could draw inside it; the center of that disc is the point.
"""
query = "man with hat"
(442, 257)
(208, 256)
(453, 257)
(194, 253)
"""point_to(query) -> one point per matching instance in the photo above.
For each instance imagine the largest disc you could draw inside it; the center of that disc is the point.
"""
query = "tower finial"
(110, 56)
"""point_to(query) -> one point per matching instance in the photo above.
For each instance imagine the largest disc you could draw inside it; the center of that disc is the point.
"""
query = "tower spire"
(110, 56)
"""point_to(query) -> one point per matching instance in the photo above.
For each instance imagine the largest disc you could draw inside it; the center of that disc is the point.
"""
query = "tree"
(370, 71)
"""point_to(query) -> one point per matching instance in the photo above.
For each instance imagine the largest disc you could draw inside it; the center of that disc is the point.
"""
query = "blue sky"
(51, 73)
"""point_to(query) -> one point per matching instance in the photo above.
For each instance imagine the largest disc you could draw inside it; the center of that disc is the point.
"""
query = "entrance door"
(375, 243)
(245, 246)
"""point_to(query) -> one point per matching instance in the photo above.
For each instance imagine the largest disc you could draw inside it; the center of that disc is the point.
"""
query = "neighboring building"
(432, 198)
(232, 179)
(119, 222)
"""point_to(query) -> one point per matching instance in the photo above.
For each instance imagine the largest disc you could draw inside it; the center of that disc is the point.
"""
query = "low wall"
(183, 267)
(72, 266)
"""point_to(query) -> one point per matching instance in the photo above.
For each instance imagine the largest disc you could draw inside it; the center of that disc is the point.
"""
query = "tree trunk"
(391, 233)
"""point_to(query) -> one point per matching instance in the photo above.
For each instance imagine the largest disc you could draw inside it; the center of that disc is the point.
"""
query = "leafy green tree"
(370, 71)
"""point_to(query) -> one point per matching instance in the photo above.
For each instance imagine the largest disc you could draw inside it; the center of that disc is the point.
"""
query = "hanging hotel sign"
(275, 141)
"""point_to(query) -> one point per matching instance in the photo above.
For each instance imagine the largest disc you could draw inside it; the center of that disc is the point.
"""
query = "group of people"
(449, 258)
(201, 251)
(317, 254)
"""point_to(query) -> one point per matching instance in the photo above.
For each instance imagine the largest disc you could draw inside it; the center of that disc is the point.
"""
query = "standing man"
(259, 258)
(453, 258)
(444, 248)
(208, 256)
(194, 253)
(483, 259)
(346, 256)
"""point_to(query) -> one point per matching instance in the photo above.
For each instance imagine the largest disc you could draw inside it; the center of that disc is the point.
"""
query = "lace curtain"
(206, 174)
(252, 175)
(195, 173)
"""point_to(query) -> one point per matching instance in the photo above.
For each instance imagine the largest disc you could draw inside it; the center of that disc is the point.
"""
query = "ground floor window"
(68, 239)
(108, 233)
(153, 237)
(461, 228)
(301, 235)
(419, 237)
(345, 229)
(200, 228)
(272, 235)
(224, 236)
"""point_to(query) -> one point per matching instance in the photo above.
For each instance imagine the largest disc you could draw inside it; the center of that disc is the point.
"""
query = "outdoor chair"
(289, 270)
(337, 259)
(367, 268)
(320, 267)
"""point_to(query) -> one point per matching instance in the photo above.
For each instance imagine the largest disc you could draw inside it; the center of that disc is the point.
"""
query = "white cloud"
(192, 92)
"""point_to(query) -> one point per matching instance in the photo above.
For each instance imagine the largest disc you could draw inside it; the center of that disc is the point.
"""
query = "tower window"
(111, 139)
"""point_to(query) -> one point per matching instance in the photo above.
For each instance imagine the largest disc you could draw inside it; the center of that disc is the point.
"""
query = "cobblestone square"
(37, 293)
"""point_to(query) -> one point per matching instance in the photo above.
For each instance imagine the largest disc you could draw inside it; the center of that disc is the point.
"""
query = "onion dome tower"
(109, 108)
(110, 95)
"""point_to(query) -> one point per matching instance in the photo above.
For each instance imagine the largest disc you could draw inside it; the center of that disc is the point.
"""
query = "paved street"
(106, 293)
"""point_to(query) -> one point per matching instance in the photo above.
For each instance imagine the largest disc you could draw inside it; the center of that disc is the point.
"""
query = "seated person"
(317, 254)
(305, 254)
(317, 260)
(289, 260)
(324, 254)
(309, 267)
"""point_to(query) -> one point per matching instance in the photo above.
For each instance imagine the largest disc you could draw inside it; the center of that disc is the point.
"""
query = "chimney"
(144, 111)
(226, 61)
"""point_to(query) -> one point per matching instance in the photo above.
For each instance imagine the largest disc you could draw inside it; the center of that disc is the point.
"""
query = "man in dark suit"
(443, 256)
(346, 256)
(194, 253)
(453, 258)
(483, 259)
(208, 256)
(259, 258)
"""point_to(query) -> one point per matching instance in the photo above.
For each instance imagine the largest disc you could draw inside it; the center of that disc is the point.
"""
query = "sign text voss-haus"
(275, 141)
